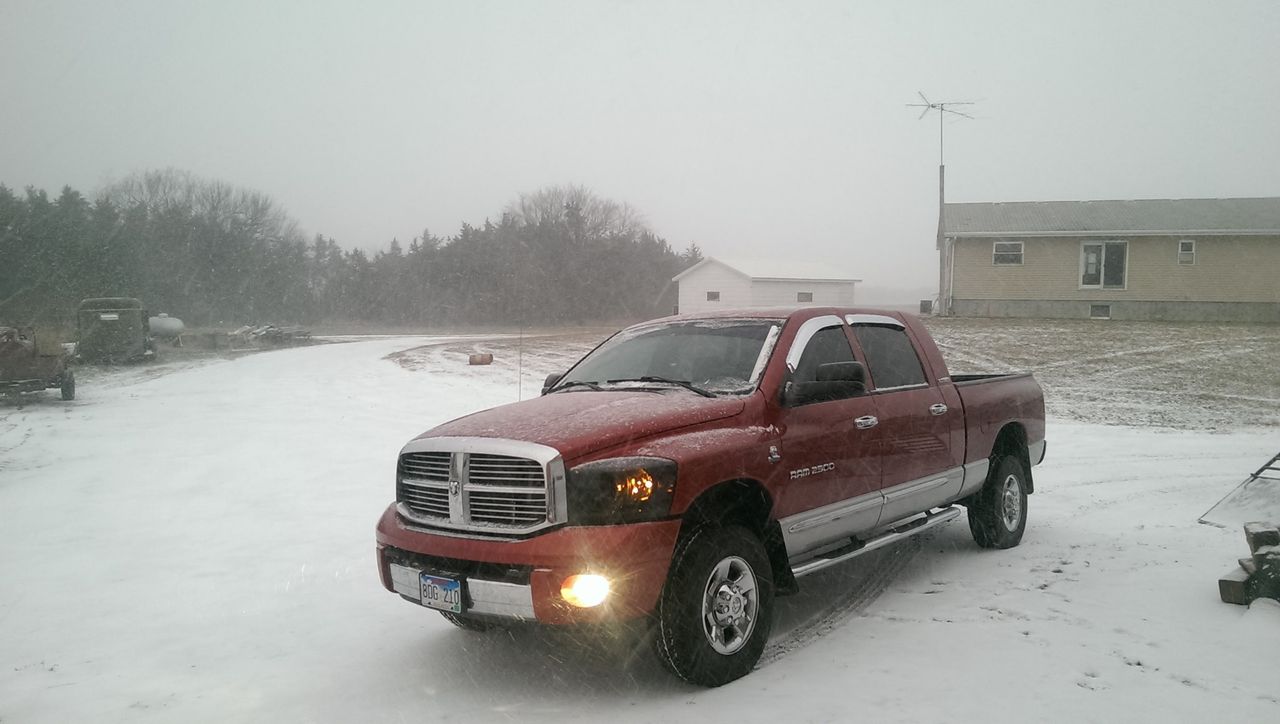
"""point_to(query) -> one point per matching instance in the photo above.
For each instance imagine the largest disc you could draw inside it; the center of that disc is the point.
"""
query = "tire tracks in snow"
(888, 565)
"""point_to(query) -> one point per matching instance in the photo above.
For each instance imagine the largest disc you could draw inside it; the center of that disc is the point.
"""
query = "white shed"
(726, 284)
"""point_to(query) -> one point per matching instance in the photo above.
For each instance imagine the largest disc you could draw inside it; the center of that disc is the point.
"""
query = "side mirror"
(550, 382)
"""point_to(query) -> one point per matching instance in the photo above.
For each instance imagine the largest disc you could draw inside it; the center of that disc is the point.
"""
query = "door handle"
(866, 422)
(938, 409)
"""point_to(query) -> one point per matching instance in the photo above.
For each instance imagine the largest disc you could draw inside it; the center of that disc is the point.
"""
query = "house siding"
(734, 288)
(739, 290)
(1227, 270)
(1234, 278)
(771, 293)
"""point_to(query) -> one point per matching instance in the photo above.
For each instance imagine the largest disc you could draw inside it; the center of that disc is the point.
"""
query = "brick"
(1233, 587)
(1260, 534)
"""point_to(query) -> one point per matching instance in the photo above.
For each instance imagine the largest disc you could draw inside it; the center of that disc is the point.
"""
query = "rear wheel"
(716, 610)
(998, 513)
(68, 385)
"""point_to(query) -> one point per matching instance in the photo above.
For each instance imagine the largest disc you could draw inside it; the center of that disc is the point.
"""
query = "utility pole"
(945, 252)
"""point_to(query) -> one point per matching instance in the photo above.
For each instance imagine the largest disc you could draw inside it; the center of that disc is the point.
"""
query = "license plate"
(441, 593)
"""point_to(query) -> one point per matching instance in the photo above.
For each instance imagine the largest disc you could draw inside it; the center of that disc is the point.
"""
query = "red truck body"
(806, 476)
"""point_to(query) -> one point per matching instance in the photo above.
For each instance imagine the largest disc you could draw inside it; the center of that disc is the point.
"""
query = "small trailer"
(113, 330)
(32, 364)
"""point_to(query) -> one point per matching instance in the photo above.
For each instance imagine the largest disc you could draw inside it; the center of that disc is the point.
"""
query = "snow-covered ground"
(198, 546)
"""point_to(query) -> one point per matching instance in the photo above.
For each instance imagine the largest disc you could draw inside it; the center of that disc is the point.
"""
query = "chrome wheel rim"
(1011, 502)
(730, 604)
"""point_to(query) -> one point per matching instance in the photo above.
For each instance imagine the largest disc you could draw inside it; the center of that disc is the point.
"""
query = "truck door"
(920, 471)
(830, 466)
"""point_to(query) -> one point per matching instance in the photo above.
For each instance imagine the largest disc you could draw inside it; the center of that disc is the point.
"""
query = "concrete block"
(1233, 587)
(1265, 582)
(1248, 565)
(1259, 534)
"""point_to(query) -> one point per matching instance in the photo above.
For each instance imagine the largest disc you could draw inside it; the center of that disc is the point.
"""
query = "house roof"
(1134, 217)
(775, 269)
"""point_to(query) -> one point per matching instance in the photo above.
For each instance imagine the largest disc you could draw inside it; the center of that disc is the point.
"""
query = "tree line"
(213, 254)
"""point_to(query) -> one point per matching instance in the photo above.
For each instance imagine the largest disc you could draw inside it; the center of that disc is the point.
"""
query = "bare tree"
(578, 209)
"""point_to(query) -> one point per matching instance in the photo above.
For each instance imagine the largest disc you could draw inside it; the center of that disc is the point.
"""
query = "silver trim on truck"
(492, 486)
(490, 598)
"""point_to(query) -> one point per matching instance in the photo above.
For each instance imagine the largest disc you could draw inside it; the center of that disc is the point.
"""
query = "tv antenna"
(943, 108)
(945, 251)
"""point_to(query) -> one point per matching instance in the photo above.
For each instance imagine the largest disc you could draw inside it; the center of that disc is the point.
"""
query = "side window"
(828, 345)
(1006, 253)
(891, 359)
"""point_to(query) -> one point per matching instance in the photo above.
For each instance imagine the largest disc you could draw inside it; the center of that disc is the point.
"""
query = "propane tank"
(166, 327)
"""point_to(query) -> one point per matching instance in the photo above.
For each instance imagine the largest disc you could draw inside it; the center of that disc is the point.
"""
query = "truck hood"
(581, 422)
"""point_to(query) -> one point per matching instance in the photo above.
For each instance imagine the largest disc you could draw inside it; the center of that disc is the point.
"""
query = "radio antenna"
(943, 108)
(944, 249)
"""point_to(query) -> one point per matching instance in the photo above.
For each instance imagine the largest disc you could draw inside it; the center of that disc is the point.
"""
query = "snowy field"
(194, 543)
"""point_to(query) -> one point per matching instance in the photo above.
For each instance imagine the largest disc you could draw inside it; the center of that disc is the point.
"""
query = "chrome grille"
(504, 470)
(487, 492)
(424, 483)
(428, 465)
(507, 508)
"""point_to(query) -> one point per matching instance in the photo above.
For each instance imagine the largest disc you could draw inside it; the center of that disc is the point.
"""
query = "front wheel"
(716, 610)
(998, 512)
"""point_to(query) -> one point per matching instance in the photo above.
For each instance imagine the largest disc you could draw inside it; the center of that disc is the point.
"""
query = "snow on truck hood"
(581, 422)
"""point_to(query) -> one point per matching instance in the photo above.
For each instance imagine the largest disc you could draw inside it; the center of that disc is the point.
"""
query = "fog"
(752, 129)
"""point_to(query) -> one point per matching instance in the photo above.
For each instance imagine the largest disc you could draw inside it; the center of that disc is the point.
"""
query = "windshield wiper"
(654, 378)
(575, 383)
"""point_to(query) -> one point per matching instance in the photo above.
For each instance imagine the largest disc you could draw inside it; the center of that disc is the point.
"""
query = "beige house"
(1171, 259)
(713, 284)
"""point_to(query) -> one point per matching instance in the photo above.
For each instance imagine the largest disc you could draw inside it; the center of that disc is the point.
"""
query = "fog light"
(585, 590)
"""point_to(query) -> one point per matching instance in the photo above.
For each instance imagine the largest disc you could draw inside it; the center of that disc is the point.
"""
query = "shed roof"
(776, 269)
(1135, 217)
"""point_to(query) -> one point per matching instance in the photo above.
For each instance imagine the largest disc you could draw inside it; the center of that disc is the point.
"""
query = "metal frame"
(460, 448)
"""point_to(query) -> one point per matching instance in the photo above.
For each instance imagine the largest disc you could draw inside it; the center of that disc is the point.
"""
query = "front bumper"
(521, 579)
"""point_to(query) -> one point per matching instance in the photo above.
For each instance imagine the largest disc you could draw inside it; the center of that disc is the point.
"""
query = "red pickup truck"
(688, 469)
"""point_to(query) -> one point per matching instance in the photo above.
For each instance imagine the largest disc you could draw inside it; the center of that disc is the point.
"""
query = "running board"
(902, 532)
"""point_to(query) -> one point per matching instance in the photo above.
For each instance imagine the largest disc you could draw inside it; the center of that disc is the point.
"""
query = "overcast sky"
(752, 128)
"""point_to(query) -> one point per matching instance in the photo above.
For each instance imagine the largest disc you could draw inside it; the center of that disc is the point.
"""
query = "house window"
(1099, 311)
(804, 296)
(713, 296)
(1187, 252)
(1006, 253)
(1103, 264)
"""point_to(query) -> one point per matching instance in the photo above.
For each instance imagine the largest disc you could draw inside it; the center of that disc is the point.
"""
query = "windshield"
(721, 357)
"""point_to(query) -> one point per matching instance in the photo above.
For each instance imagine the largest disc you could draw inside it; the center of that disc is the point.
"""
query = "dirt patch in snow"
(1147, 374)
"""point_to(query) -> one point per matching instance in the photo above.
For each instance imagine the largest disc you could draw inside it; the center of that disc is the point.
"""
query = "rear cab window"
(892, 361)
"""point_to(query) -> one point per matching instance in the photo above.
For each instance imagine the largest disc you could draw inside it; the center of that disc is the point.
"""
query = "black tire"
(68, 385)
(724, 569)
(998, 512)
(466, 623)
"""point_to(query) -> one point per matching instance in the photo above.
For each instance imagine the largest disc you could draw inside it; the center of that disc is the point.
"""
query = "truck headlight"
(621, 490)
